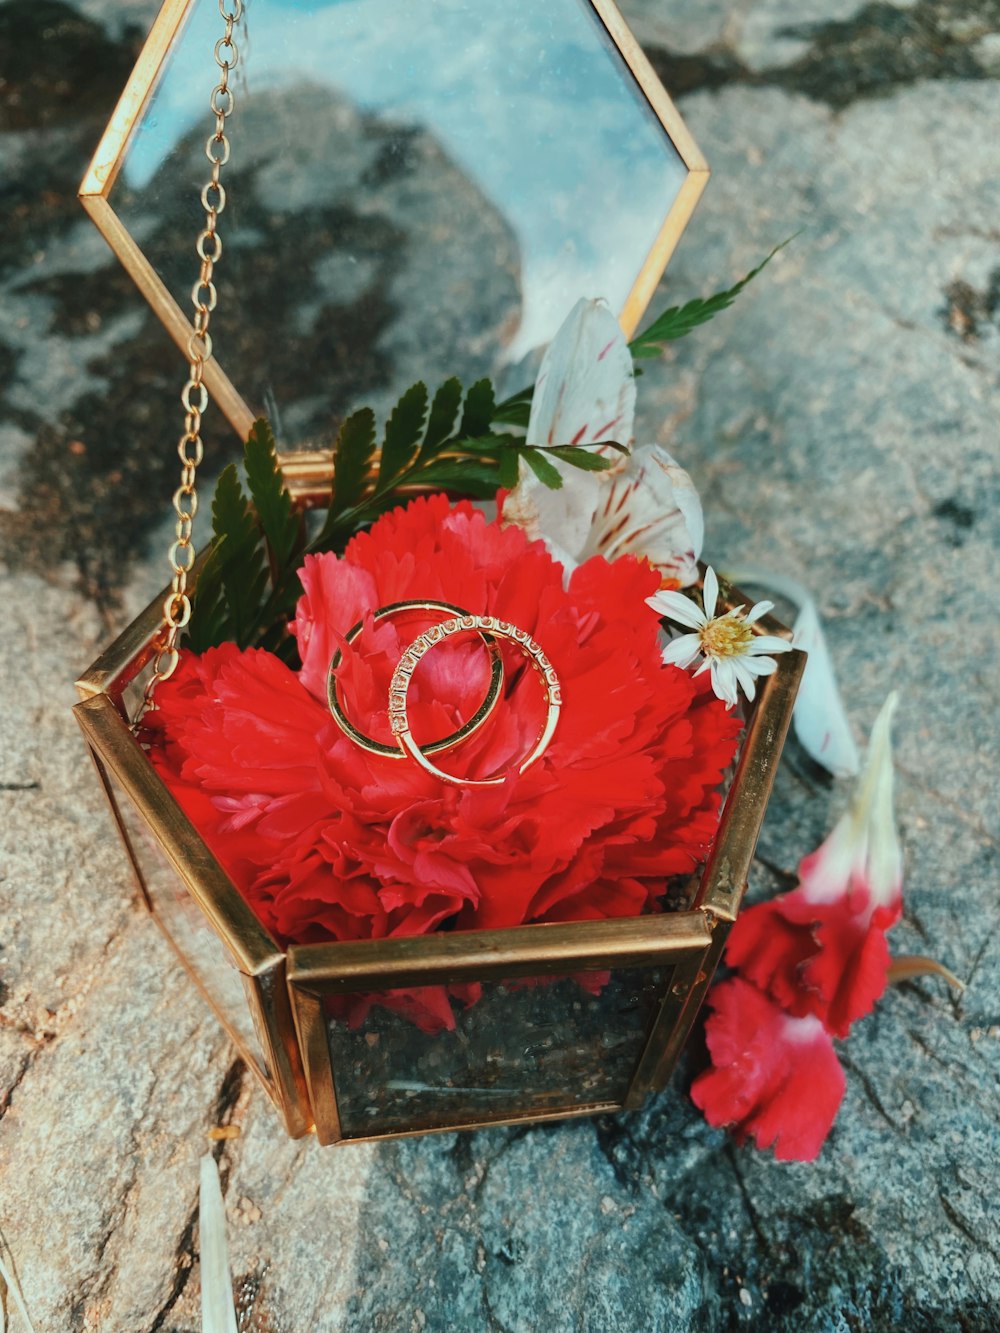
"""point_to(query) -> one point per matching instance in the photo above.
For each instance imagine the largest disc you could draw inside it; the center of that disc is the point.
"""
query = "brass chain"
(194, 395)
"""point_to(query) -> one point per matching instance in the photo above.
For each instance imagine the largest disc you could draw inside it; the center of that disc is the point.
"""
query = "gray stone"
(841, 423)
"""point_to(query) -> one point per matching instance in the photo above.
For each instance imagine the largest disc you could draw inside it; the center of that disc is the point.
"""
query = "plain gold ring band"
(479, 717)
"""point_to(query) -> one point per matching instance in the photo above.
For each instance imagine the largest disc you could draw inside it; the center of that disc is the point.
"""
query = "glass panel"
(417, 188)
(231, 995)
(516, 1046)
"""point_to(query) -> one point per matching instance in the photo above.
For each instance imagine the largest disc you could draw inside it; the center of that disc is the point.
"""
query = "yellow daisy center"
(726, 636)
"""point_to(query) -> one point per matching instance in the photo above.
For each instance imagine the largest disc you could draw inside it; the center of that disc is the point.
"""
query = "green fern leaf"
(209, 623)
(588, 460)
(241, 556)
(547, 473)
(480, 404)
(351, 459)
(443, 415)
(508, 469)
(282, 526)
(402, 433)
(680, 320)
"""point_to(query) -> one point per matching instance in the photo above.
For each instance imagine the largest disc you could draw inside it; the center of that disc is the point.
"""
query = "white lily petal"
(585, 391)
(874, 803)
(649, 508)
(675, 606)
(561, 518)
(863, 851)
(682, 651)
(218, 1314)
(820, 718)
(710, 592)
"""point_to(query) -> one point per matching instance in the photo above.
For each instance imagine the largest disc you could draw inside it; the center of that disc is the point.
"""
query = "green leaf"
(240, 554)
(508, 469)
(514, 412)
(680, 320)
(585, 459)
(443, 415)
(480, 404)
(352, 457)
(474, 477)
(489, 445)
(547, 473)
(282, 526)
(402, 433)
(208, 625)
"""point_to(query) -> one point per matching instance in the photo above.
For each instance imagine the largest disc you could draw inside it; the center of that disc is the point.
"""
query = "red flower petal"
(825, 959)
(328, 841)
(774, 1078)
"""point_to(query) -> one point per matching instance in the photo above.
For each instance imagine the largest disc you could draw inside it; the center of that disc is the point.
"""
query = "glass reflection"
(428, 1058)
(417, 188)
(226, 989)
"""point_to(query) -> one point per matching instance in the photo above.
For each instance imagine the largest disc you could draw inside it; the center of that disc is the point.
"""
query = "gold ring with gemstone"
(469, 624)
(481, 715)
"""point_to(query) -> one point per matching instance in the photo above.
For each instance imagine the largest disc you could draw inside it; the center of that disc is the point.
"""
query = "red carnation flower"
(822, 949)
(327, 841)
(774, 1077)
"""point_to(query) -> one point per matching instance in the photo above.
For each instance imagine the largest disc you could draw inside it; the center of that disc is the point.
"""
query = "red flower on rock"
(327, 841)
(822, 949)
(774, 1078)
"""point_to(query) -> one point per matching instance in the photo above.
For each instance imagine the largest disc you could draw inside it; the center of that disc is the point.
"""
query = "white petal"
(820, 718)
(710, 592)
(760, 666)
(562, 519)
(768, 643)
(675, 606)
(649, 508)
(10, 1286)
(863, 850)
(745, 678)
(883, 869)
(682, 651)
(757, 610)
(585, 389)
(724, 681)
(218, 1314)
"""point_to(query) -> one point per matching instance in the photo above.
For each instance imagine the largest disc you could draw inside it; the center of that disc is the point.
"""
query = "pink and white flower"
(726, 645)
(646, 505)
(821, 950)
(774, 1078)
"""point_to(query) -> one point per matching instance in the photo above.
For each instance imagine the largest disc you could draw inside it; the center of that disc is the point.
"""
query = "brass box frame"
(285, 990)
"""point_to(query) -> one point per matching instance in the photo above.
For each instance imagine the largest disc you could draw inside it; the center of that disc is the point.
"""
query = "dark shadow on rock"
(872, 54)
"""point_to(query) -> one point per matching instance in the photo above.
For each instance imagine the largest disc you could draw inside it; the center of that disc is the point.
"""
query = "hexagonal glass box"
(415, 189)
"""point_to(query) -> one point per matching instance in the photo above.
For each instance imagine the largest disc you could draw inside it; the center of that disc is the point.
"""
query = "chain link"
(194, 395)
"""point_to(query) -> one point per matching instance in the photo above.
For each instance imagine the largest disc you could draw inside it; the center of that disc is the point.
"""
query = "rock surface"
(841, 423)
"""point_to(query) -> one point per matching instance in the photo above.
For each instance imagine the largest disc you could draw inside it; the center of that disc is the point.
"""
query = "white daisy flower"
(726, 645)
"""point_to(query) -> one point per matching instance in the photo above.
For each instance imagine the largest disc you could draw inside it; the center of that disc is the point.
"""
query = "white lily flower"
(646, 504)
(725, 645)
